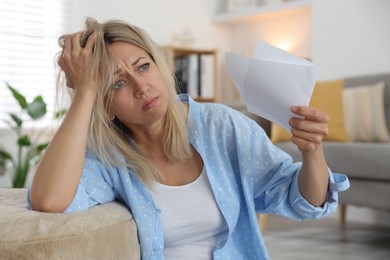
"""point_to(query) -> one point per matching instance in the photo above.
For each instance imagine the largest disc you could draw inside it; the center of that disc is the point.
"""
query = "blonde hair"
(109, 138)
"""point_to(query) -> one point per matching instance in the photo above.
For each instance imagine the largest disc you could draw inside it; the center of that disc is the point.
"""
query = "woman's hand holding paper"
(310, 129)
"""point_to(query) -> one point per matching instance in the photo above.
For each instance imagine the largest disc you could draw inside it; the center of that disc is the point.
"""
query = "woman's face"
(140, 96)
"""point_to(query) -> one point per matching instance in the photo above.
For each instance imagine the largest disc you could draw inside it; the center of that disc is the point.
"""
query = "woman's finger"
(68, 45)
(90, 42)
(76, 42)
(312, 114)
(76, 61)
(309, 126)
(316, 137)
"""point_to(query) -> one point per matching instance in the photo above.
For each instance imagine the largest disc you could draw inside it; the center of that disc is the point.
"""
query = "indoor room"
(340, 49)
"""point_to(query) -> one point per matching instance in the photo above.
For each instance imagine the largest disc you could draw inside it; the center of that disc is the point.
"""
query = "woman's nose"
(141, 88)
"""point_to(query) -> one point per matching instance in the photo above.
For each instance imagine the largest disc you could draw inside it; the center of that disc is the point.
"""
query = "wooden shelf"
(262, 11)
(174, 51)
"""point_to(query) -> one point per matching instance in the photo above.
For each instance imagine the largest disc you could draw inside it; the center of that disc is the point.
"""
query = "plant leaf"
(59, 114)
(16, 119)
(22, 171)
(24, 141)
(4, 154)
(19, 97)
(20, 177)
(37, 108)
(41, 147)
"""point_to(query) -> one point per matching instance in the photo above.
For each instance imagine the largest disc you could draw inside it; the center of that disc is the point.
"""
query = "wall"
(290, 31)
(345, 38)
(351, 37)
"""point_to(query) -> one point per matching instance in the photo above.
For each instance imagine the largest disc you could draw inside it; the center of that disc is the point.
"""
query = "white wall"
(291, 32)
(162, 19)
(351, 37)
(345, 38)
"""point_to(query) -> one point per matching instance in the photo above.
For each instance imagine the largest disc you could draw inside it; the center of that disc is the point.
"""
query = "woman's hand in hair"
(77, 63)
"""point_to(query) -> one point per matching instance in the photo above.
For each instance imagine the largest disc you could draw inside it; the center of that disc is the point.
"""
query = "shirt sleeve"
(94, 187)
(303, 209)
(275, 182)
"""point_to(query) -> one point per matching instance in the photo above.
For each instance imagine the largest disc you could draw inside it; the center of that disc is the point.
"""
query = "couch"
(367, 164)
(103, 232)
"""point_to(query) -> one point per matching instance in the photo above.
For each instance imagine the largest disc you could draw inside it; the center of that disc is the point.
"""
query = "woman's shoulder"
(202, 107)
(220, 111)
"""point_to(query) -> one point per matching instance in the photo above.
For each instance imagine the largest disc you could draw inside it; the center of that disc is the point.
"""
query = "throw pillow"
(364, 113)
(327, 96)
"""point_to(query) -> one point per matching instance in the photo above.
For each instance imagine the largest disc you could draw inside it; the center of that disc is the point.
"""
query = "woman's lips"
(150, 103)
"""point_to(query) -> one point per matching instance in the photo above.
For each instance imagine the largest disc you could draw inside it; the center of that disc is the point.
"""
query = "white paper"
(273, 81)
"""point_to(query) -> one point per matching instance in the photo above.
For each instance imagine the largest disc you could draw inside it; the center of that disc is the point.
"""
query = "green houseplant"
(28, 148)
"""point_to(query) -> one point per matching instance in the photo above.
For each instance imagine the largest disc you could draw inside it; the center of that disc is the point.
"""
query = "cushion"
(365, 114)
(327, 96)
(103, 232)
(371, 79)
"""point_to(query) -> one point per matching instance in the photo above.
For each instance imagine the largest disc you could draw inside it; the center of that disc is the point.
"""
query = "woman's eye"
(144, 67)
(119, 84)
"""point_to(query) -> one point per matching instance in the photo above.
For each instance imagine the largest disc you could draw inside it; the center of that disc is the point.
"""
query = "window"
(29, 30)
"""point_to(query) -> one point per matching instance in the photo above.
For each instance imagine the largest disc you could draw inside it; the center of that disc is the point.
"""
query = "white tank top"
(192, 222)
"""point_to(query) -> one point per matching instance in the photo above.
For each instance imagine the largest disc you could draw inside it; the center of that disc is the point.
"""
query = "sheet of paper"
(272, 81)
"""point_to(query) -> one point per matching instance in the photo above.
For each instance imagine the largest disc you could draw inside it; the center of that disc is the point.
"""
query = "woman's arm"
(58, 173)
(307, 134)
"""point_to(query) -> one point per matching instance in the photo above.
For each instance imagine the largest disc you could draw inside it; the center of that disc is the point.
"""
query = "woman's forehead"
(118, 49)
(121, 52)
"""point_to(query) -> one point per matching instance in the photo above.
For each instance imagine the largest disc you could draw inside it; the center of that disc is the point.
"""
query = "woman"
(193, 175)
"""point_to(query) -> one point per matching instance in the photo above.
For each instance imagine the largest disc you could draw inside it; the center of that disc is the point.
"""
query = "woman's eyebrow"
(137, 60)
(118, 71)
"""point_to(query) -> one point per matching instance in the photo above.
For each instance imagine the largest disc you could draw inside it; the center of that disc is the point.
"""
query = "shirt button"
(156, 250)
(158, 210)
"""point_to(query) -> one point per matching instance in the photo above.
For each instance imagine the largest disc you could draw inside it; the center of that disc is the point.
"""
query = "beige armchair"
(103, 232)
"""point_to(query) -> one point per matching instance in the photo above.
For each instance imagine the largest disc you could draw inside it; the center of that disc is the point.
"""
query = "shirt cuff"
(337, 183)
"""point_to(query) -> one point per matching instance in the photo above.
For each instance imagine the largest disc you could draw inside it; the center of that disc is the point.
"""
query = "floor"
(324, 239)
